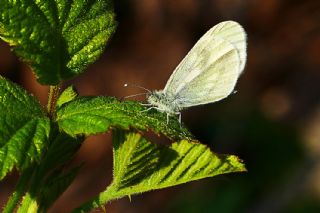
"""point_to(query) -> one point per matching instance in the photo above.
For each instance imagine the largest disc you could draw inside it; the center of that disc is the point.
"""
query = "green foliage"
(61, 150)
(24, 128)
(55, 186)
(141, 166)
(50, 178)
(67, 95)
(92, 115)
(59, 39)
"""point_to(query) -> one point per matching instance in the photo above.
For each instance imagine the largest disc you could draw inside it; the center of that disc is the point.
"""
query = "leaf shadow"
(160, 157)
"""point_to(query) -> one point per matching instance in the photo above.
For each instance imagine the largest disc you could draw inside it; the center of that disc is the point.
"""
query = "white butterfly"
(207, 74)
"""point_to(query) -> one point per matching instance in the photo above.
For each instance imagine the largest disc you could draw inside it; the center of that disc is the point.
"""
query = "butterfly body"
(164, 102)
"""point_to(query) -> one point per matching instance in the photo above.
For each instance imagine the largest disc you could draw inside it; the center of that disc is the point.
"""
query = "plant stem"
(52, 100)
(111, 193)
(99, 201)
(18, 192)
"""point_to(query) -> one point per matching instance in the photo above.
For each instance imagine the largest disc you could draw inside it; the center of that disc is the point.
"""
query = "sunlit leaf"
(67, 95)
(141, 166)
(24, 128)
(59, 39)
(93, 115)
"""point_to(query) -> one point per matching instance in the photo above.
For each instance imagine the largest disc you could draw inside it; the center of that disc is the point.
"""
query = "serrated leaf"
(141, 159)
(60, 38)
(141, 166)
(181, 162)
(67, 95)
(24, 128)
(93, 115)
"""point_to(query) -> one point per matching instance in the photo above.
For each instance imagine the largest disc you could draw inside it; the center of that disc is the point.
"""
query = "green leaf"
(141, 166)
(66, 96)
(61, 150)
(28, 204)
(19, 191)
(24, 128)
(50, 178)
(93, 115)
(59, 39)
(55, 186)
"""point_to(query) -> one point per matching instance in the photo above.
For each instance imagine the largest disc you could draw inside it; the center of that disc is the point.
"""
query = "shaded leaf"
(50, 177)
(61, 150)
(55, 186)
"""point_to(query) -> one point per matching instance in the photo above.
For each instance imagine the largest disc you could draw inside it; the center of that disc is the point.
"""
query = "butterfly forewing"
(192, 65)
(218, 65)
(210, 70)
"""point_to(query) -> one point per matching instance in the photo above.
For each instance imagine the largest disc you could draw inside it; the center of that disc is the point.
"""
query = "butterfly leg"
(146, 110)
(180, 118)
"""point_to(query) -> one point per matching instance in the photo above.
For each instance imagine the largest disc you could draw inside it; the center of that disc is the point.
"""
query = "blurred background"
(272, 122)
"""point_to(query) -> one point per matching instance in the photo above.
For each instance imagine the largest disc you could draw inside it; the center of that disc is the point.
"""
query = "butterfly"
(207, 74)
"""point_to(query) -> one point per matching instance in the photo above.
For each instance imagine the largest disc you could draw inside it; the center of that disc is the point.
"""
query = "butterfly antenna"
(134, 85)
(130, 96)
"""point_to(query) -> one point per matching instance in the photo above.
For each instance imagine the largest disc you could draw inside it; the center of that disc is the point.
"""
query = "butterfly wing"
(211, 68)
(234, 33)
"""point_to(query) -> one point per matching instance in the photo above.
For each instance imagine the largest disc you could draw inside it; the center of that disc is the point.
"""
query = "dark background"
(272, 123)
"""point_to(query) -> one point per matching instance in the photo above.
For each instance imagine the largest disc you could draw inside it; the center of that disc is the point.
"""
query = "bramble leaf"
(93, 115)
(59, 39)
(24, 128)
(55, 186)
(141, 166)
(67, 95)
(61, 150)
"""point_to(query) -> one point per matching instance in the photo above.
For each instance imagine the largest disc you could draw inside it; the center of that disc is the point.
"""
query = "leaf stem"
(52, 100)
(111, 193)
